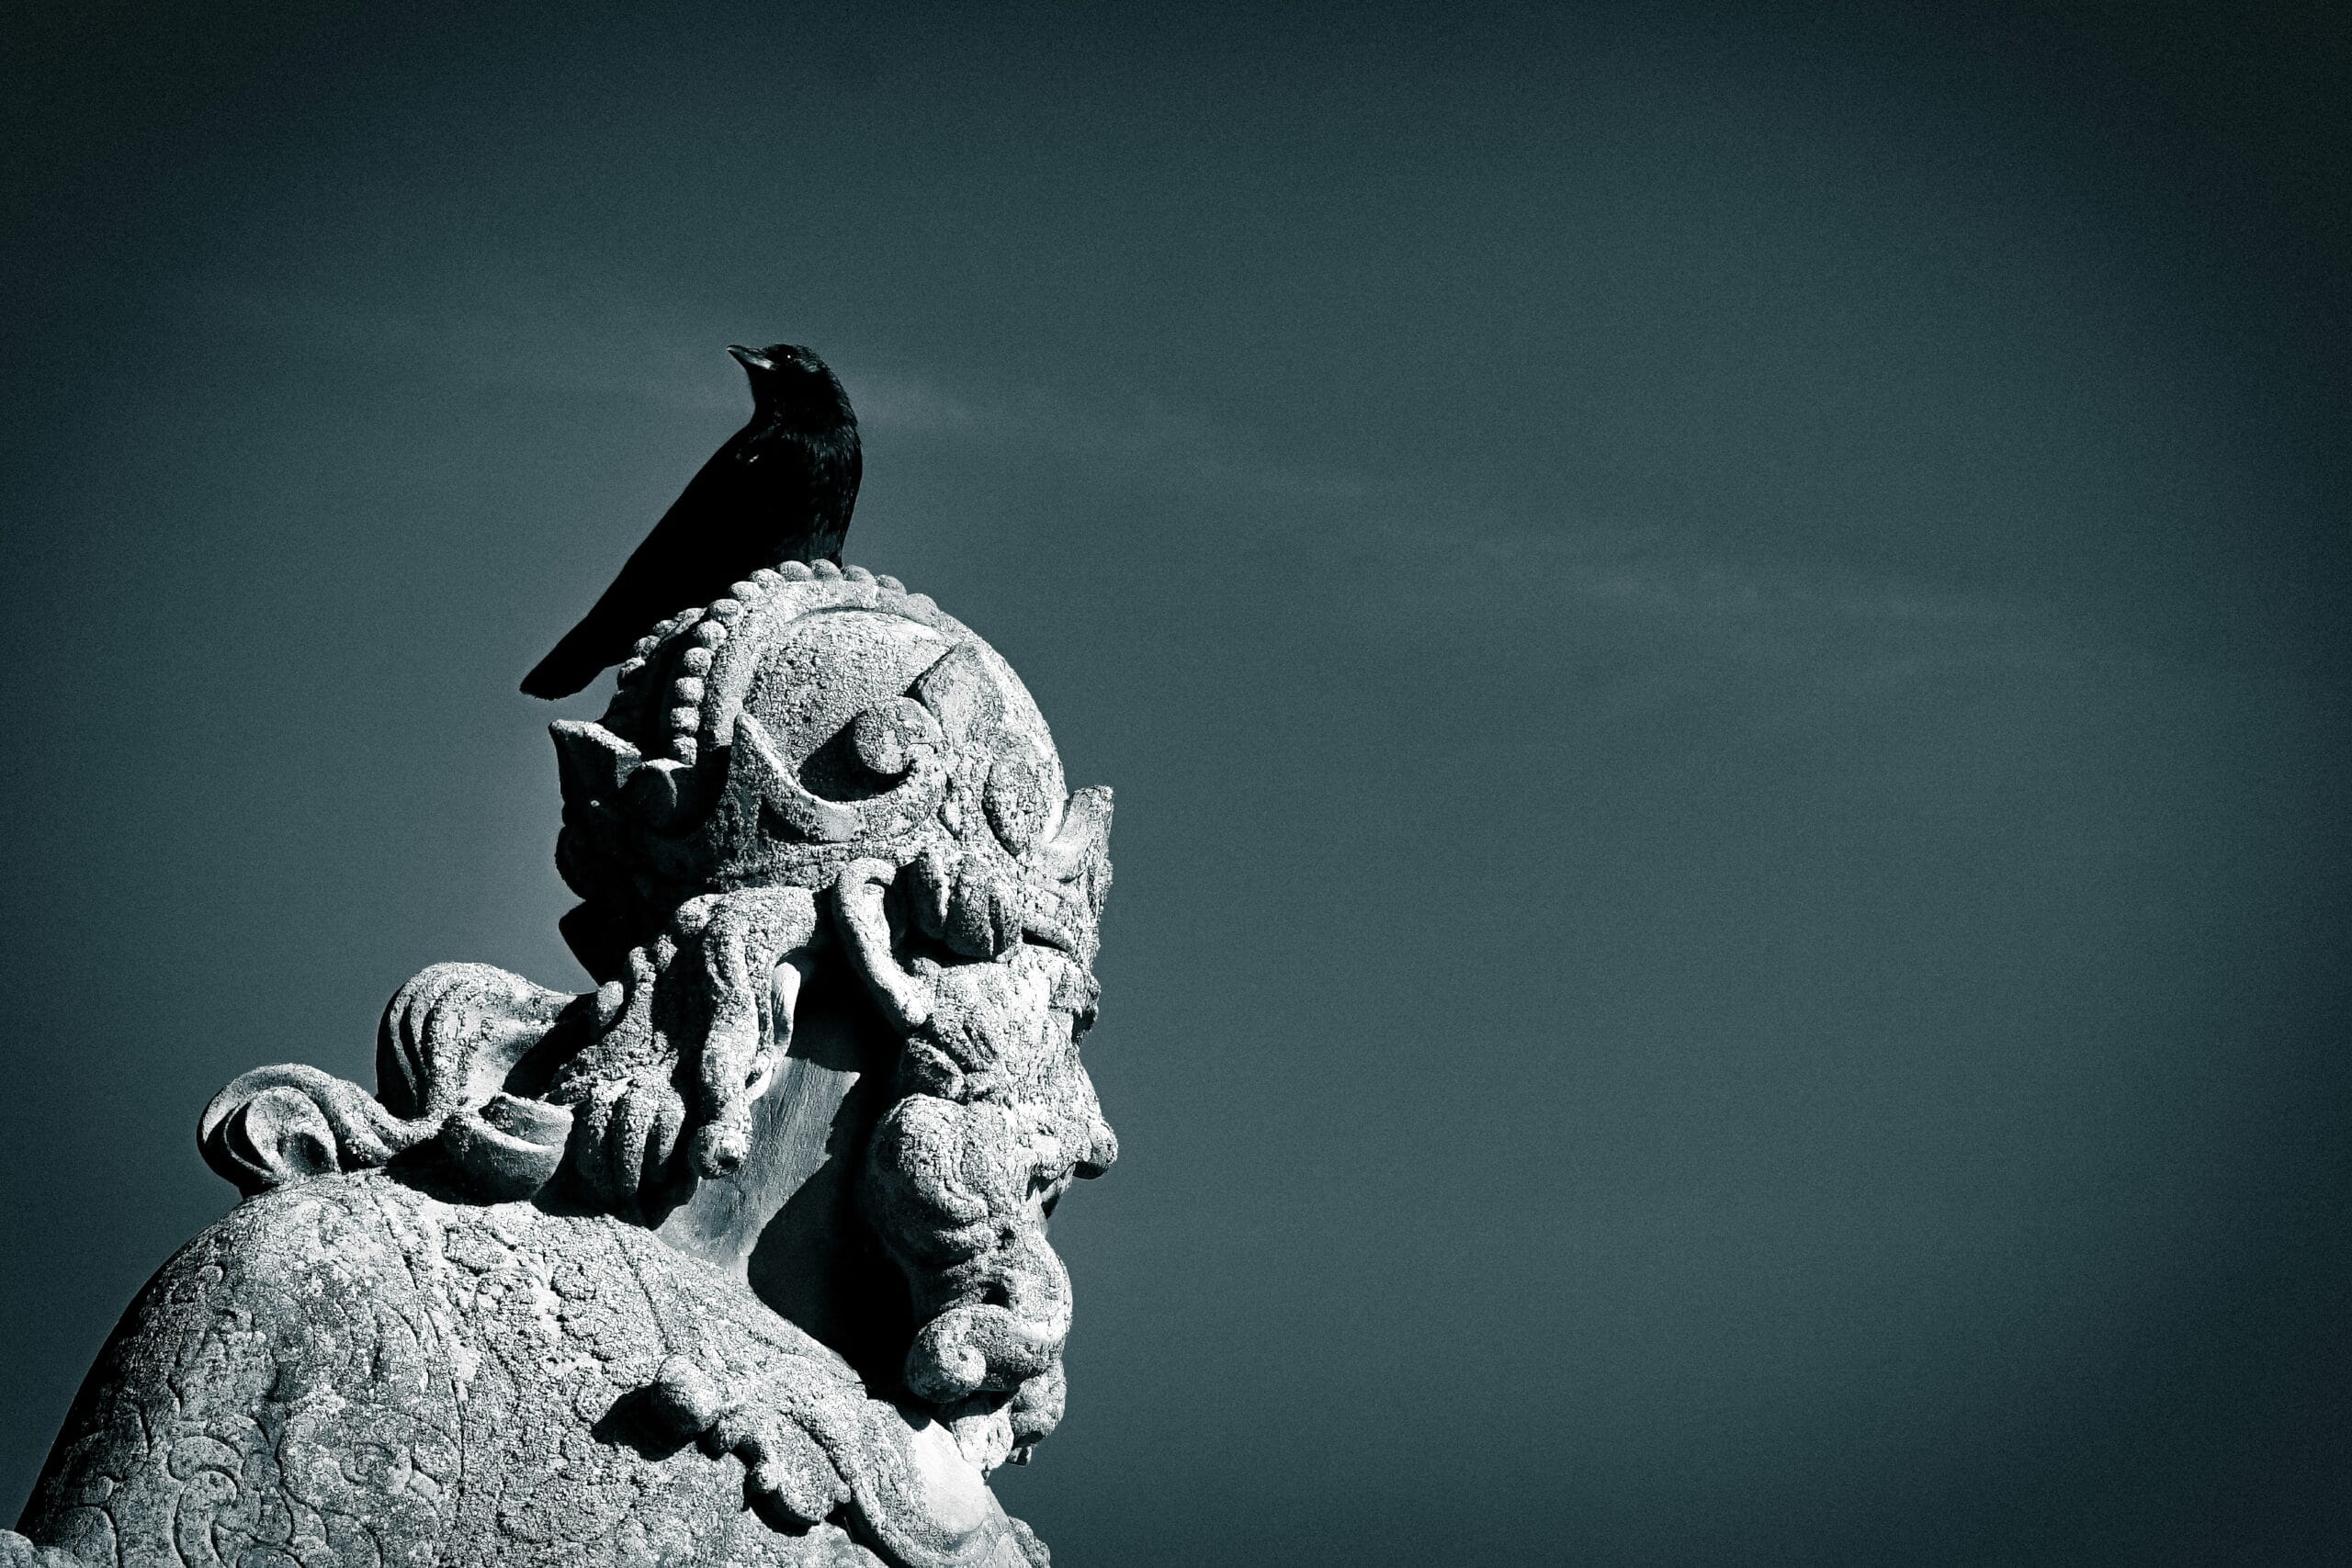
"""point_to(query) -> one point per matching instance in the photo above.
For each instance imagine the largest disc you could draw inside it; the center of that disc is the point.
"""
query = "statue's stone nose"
(720, 1151)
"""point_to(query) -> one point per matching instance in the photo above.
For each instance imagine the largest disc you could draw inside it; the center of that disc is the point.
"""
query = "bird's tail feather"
(567, 668)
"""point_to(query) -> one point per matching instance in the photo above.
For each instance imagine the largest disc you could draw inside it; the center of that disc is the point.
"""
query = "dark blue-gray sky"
(1718, 631)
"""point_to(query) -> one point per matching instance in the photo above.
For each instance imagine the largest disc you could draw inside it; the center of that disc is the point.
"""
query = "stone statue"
(740, 1259)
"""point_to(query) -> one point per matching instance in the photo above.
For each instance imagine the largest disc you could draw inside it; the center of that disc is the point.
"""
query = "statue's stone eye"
(873, 751)
(893, 737)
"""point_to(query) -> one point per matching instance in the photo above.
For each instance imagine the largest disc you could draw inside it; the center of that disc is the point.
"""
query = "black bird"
(782, 488)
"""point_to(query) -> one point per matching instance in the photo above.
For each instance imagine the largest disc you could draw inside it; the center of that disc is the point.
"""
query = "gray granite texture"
(740, 1257)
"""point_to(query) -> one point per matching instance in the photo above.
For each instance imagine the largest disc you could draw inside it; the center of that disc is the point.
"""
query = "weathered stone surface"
(355, 1370)
(740, 1257)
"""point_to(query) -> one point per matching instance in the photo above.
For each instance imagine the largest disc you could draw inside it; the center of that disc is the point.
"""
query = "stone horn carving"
(759, 1221)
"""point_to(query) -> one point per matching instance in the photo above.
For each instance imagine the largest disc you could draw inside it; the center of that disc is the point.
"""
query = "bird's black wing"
(687, 560)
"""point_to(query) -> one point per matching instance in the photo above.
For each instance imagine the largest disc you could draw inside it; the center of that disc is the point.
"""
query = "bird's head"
(790, 381)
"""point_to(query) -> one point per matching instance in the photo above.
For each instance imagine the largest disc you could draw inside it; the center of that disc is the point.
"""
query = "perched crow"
(780, 490)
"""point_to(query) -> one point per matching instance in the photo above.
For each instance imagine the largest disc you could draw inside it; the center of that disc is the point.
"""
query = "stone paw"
(787, 1476)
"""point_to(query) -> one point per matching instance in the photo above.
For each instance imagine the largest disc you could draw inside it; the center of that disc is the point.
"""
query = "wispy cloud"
(1881, 627)
(1846, 624)
(636, 352)
(1139, 437)
(631, 352)
(1656, 572)
(1679, 615)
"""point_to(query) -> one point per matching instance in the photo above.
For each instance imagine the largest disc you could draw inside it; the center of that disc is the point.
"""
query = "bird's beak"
(749, 359)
